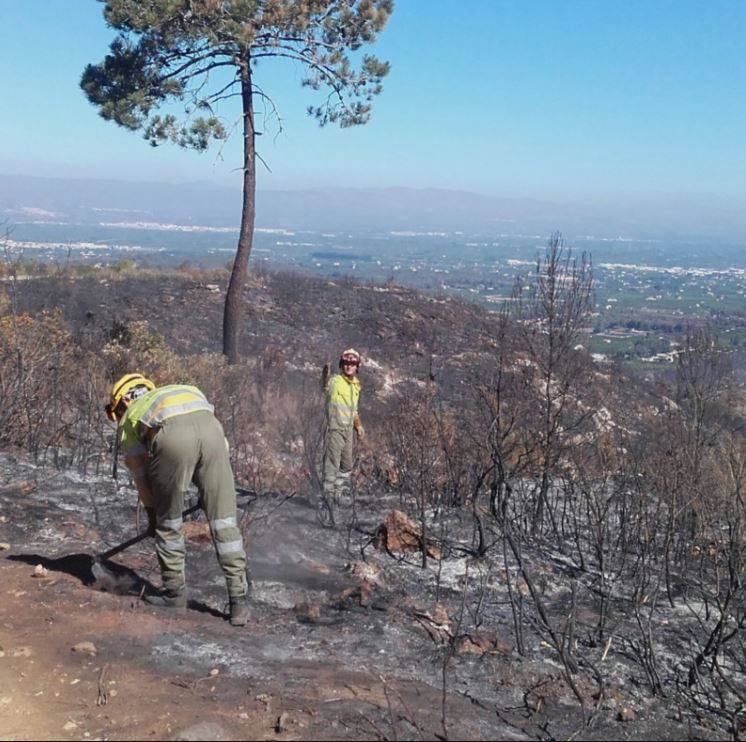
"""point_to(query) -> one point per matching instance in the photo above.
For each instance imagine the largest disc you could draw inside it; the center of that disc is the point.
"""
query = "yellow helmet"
(121, 388)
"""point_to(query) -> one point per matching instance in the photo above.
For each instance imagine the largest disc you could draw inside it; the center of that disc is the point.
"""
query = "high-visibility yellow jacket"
(142, 419)
(342, 396)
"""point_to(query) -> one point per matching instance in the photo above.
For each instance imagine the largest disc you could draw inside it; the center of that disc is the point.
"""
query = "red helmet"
(349, 356)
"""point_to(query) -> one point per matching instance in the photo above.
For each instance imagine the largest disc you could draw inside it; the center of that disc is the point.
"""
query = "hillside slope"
(333, 650)
(534, 544)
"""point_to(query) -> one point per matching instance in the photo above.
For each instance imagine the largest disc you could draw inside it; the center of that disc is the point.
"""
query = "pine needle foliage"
(175, 63)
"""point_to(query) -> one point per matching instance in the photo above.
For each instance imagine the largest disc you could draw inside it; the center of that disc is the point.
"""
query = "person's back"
(170, 438)
(155, 406)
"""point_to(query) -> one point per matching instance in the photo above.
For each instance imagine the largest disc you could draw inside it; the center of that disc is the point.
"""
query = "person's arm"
(137, 463)
(328, 395)
(136, 459)
(356, 421)
(358, 425)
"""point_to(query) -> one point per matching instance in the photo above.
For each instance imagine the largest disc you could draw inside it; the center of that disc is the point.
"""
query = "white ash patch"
(370, 362)
(452, 571)
(209, 653)
(50, 534)
(277, 594)
(74, 476)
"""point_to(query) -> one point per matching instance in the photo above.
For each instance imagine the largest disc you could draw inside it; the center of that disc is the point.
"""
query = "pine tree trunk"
(234, 296)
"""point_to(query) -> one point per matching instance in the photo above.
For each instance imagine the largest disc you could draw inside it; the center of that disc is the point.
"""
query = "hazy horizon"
(46, 198)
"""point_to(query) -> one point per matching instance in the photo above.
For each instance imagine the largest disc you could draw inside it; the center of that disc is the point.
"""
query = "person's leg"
(342, 481)
(335, 443)
(214, 479)
(174, 455)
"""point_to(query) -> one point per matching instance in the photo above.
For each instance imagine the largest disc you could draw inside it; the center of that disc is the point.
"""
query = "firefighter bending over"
(170, 437)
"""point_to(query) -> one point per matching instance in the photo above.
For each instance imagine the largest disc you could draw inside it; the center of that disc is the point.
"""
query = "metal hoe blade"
(106, 578)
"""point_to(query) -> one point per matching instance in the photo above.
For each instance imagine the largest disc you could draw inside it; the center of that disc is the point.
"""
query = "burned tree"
(203, 53)
(552, 311)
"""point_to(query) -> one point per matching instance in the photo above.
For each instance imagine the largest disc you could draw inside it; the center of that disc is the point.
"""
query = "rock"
(197, 531)
(436, 622)
(4, 546)
(315, 566)
(440, 615)
(349, 592)
(307, 612)
(626, 714)
(364, 571)
(22, 652)
(400, 533)
(362, 595)
(366, 593)
(281, 725)
(483, 643)
(40, 571)
(215, 671)
(70, 726)
(85, 648)
(204, 730)
(6, 701)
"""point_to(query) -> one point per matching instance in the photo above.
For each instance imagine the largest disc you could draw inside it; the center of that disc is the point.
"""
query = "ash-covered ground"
(346, 640)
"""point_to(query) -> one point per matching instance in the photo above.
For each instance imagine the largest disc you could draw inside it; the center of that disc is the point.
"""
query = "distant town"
(647, 291)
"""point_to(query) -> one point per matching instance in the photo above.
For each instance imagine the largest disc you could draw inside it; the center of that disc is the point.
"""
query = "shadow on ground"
(106, 576)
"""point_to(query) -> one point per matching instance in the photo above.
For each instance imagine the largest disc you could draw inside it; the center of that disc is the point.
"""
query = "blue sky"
(567, 100)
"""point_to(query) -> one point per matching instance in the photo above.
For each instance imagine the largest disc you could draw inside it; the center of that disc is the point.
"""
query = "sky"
(568, 100)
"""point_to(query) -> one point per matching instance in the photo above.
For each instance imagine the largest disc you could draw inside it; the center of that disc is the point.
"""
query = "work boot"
(239, 611)
(168, 598)
(325, 508)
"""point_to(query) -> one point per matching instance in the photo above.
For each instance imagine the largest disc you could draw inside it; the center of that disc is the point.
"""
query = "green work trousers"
(191, 448)
(337, 460)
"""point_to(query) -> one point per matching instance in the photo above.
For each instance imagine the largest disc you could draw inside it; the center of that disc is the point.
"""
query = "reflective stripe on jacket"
(342, 395)
(151, 409)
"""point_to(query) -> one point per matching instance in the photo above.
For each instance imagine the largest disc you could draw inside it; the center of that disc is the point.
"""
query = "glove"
(360, 430)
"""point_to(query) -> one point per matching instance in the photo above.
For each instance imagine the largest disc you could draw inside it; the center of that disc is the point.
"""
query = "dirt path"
(48, 691)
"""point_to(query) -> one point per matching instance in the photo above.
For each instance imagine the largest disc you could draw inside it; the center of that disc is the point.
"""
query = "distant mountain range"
(24, 198)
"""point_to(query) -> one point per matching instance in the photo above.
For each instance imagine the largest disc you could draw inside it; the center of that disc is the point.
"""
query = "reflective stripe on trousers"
(191, 448)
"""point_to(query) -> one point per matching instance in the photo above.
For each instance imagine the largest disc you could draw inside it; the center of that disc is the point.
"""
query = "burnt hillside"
(542, 536)
(281, 306)
(402, 334)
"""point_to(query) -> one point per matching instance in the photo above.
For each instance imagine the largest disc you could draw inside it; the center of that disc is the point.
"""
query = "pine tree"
(201, 54)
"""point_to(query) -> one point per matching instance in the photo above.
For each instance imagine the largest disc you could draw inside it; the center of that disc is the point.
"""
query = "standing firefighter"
(342, 395)
(170, 437)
